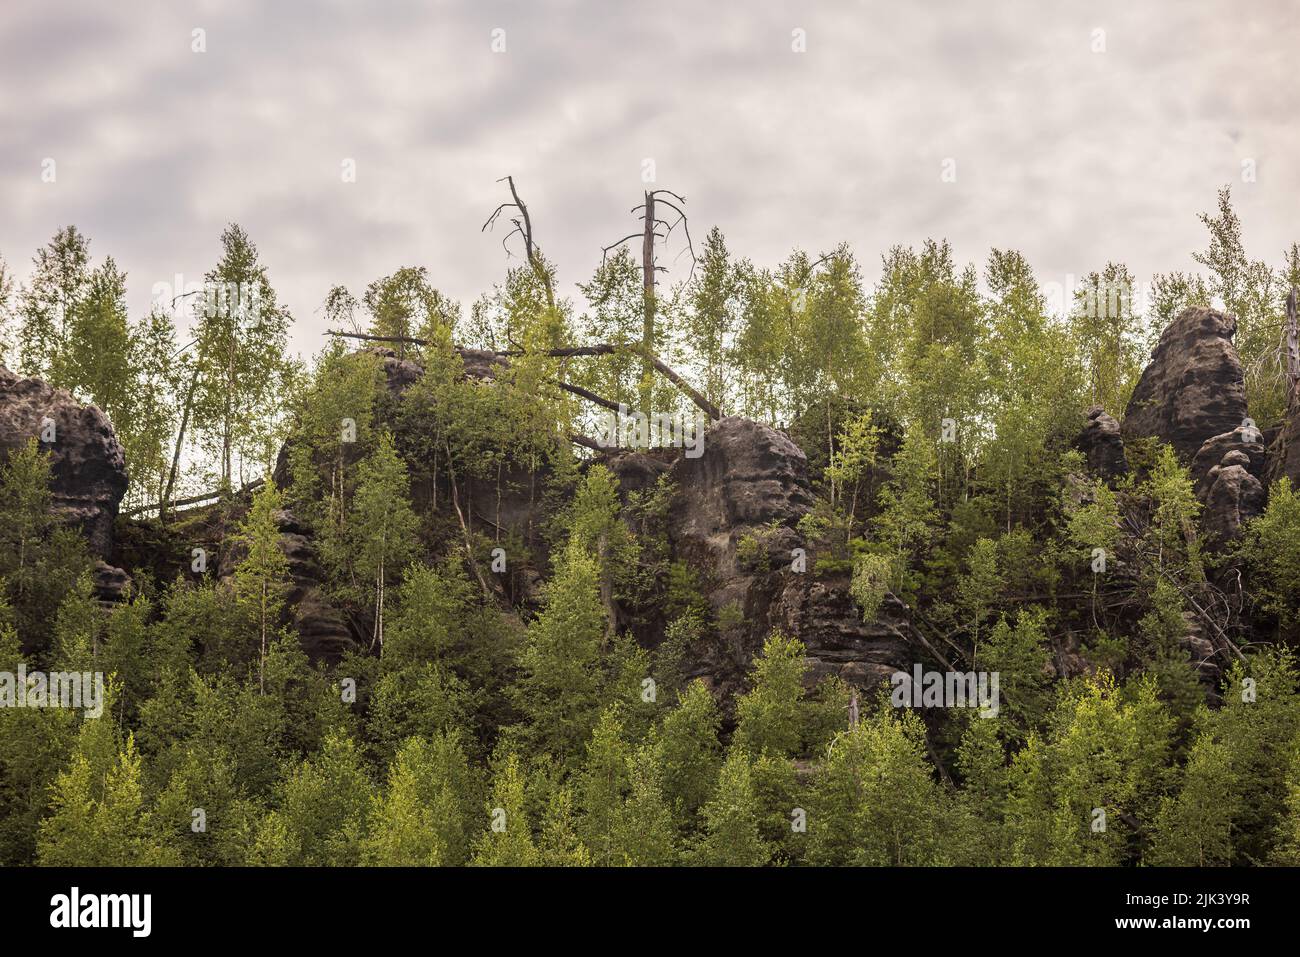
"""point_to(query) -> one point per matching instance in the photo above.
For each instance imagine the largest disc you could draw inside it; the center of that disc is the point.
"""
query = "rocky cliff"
(87, 466)
(734, 519)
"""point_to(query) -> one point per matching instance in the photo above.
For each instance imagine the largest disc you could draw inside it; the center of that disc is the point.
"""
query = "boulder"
(1234, 497)
(87, 466)
(1102, 445)
(1193, 387)
(1246, 441)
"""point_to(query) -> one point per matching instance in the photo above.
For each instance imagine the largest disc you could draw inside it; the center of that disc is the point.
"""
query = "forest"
(398, 603)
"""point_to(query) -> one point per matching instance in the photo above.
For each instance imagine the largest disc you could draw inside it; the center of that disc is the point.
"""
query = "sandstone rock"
(1284, 453)
(1193, 388)
(1244, 443)
(322, 628)
(825, 618)
(398, 372)
(1102, 444)
(109, 582)
(1235, 496)
(87, 467)
(750, 478)
(751, 485)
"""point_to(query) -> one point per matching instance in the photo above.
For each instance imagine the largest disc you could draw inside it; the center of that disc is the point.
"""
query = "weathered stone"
(322, 628)
(87, 466)
(109, 583)
(1245, 442)
(1102, 444)
(750, 486)
(1193, 388)
(1235, 496)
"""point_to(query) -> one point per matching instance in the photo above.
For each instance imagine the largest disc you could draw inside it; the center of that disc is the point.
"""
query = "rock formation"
(1192, 395)
(322, 628)
(751, 485)
(1193, 388)
(87, 466)
(1233, 496)
(1102, 445)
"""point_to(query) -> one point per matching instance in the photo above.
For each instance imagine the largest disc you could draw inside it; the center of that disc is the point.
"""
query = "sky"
(1076, 133)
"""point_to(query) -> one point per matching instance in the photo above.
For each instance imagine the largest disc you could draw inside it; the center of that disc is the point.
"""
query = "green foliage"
(1272, 548)
(770, 715)
(874, 801)
(559, 689)
(731, 819)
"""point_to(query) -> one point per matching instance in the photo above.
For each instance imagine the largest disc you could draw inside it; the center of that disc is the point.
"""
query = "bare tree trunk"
(180, 442)
(648, 296)
(1292, 353)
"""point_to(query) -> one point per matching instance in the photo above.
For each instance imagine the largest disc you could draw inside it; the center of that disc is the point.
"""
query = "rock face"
(1193, 387)
(87, 467)
(1284, 453)
(735, 517)
(1247, 442)
(1102, 445)
(749, 477)
(1233, 496)
(321, 627)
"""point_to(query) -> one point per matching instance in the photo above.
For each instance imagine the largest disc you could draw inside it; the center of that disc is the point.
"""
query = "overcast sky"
(1073, 156)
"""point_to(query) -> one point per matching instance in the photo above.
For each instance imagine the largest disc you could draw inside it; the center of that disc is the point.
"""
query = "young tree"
(39, 558)
(323, 806)
(643, 834)
(558, 691)
(731, 819)
(709, 322)
(770, 715)
(508, 840)
(604, 785)
(262, 575)
(405, 305)
(242, 372)
(48, 304)
(689, 753)
(419, 819)
(875, 802)
(383, 526)
(1194, 828)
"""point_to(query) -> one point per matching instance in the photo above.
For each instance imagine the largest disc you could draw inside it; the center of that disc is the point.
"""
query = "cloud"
(1073, 156)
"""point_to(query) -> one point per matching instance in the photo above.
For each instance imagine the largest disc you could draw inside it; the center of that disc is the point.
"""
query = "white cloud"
(1074, 157)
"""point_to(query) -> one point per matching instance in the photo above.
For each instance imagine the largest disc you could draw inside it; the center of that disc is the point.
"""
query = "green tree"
(262, 575)
(241, 331)
(419, 819)
(47, 307)
(508, 841)
(689, 753)
(731, 819)
(1194, 828)
(770, 715)
(875, 802)
(383, 527)
(558, 691)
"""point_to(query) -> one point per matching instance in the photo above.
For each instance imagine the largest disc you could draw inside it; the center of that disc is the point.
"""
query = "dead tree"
(1292, 355)
(649, 234)
(569, 352)
(523, 224)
